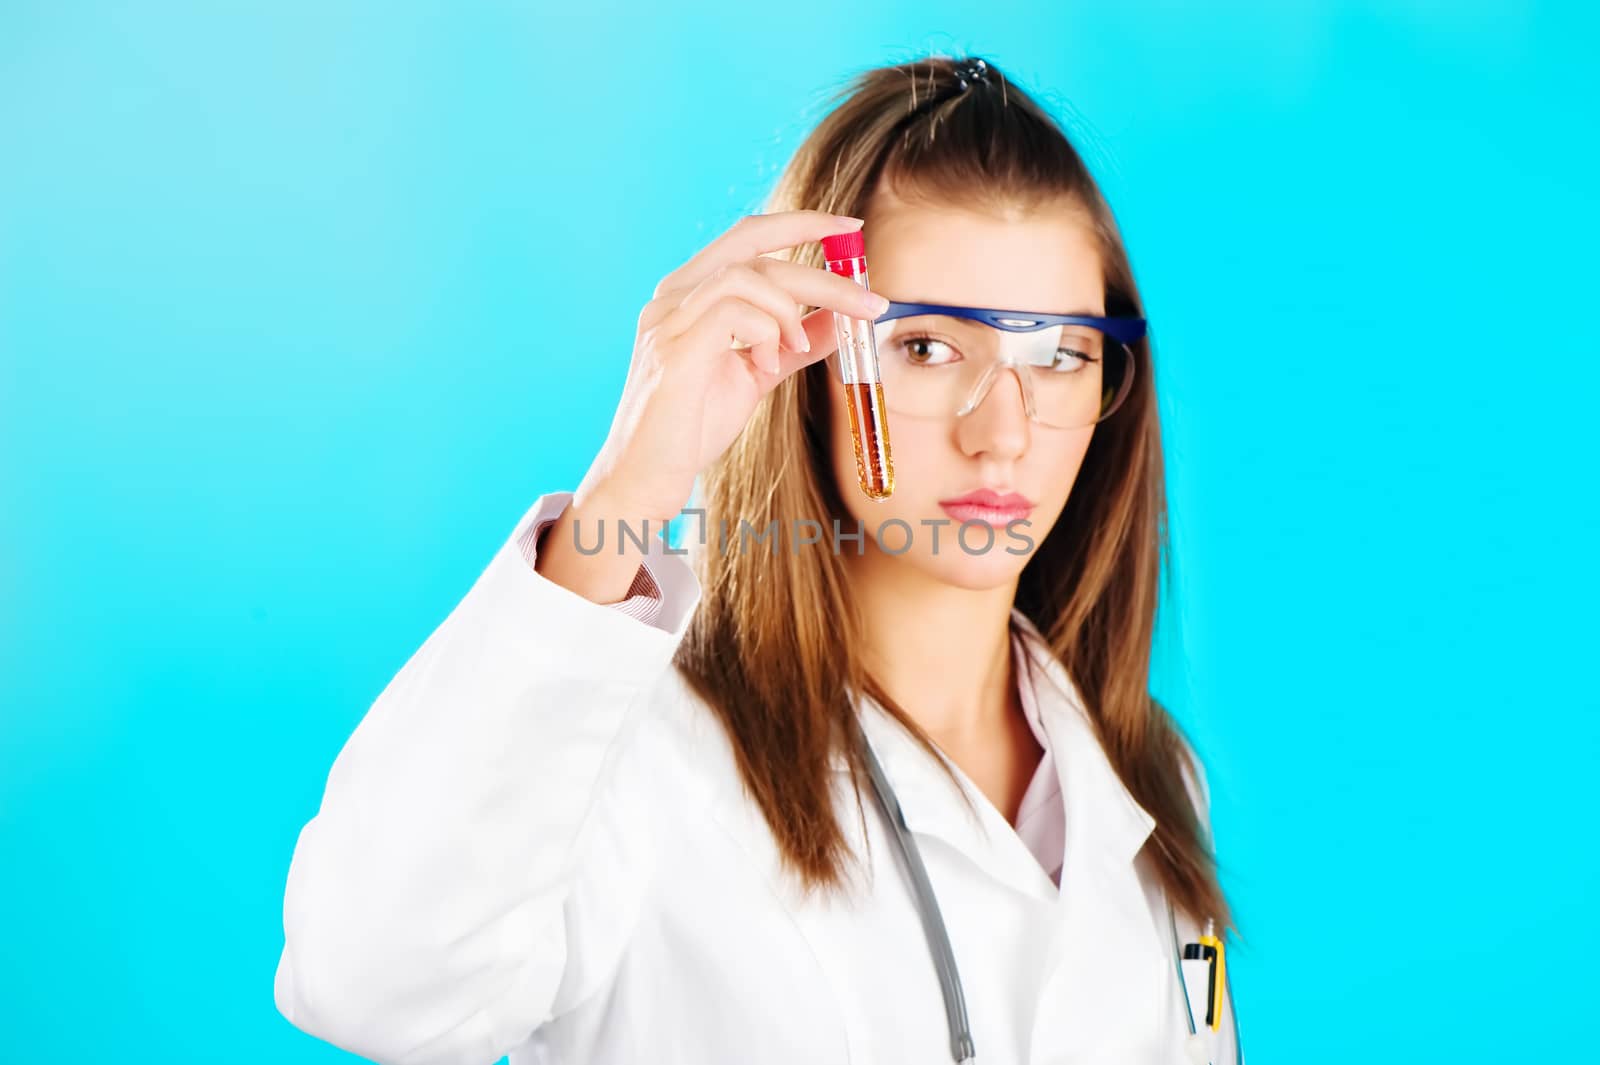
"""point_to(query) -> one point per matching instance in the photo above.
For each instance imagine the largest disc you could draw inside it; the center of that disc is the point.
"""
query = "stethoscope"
(944, 959)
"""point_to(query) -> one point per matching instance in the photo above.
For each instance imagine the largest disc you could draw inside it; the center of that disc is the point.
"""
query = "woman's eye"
(1069, 361)
(926, 351)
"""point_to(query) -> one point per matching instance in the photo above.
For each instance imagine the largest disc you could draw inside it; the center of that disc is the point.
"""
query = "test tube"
(846, 254)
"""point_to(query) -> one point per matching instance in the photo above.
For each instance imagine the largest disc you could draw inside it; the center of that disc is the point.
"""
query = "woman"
(619, 807)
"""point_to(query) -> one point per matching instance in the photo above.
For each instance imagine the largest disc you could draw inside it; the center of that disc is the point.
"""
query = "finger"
(740, 281)
(813, 286)
(824, 342)
(754, 235)
(730, 319)
(781, 287)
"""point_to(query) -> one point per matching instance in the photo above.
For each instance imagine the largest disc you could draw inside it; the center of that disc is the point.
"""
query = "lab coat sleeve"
(487, 832)
(644, 599)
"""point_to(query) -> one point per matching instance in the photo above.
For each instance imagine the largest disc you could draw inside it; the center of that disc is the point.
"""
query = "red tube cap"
(850, 245)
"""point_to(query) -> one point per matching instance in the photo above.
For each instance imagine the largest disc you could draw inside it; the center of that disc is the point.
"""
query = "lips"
(988, 506)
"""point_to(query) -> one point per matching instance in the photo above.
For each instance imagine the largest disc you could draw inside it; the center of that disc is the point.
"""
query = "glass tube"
(857, 359)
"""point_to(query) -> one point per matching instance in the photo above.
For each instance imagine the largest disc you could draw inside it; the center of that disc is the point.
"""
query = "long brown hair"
(770, 645)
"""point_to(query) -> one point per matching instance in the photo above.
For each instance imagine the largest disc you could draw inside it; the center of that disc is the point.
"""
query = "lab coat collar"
(1100, 809)
(1102, 818)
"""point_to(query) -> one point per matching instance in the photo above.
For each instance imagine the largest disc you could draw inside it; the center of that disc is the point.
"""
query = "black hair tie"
(970, 72)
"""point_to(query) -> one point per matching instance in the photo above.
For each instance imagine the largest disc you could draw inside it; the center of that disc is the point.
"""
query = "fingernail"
(851, 220)
(878, 304)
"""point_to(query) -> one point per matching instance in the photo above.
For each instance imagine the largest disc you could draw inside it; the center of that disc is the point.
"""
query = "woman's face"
(1044, 260)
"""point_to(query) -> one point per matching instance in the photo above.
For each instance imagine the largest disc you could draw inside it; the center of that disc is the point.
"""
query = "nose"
(996, 418)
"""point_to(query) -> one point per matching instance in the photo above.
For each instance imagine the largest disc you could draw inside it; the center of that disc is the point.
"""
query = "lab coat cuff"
(641, 625)
(644, 598)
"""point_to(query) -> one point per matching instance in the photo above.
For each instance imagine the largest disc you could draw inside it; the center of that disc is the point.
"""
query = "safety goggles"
(935, 359)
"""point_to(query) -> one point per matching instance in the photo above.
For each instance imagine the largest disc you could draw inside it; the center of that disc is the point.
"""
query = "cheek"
(1068, 459)
(1057, 458)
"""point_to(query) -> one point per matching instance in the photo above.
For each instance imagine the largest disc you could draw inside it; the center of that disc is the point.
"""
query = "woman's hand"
(689, 389)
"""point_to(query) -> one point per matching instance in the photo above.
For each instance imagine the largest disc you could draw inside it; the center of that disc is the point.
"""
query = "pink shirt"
(1041, 818)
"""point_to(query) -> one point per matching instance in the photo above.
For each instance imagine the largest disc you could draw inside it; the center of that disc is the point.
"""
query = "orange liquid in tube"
(857, 359)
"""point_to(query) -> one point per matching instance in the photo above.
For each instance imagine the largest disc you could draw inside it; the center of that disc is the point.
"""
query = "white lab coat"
(536, 843)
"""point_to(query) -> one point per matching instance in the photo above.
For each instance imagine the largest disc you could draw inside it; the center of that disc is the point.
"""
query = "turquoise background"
(301, 305)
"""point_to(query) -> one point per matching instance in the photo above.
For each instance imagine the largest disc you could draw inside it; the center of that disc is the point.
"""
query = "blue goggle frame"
(1126, 330)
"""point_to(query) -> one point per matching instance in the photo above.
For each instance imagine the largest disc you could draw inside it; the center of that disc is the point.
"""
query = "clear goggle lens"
(1072, 376)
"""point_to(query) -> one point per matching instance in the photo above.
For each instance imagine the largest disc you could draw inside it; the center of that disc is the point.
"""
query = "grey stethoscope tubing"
(944, 959)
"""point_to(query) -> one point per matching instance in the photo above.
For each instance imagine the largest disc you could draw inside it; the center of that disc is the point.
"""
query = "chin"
(996, 568)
